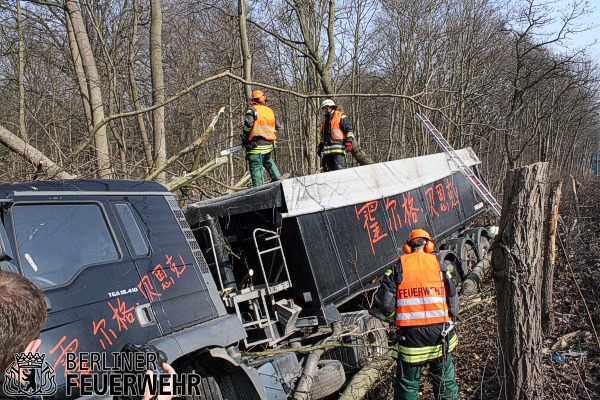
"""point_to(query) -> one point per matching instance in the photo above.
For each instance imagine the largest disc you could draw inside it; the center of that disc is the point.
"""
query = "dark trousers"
(256, 163)
(408, 376)
(334, 162)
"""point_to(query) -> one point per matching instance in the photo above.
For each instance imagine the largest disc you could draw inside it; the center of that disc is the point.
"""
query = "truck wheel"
(484, 247)
(469, 257)
(329, 378)
(370, 332)
(377, 340)
(209, 388)
(453, 270)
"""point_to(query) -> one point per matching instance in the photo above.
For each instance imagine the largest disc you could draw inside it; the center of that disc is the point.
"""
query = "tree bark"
(550, 258)
(517, 262)
(22, 127)
(135, 98)
(31, 154)
(158, 88)
(245, 47)
(93, 82)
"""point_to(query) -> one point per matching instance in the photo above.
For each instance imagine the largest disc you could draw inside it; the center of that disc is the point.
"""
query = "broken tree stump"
(517, 262)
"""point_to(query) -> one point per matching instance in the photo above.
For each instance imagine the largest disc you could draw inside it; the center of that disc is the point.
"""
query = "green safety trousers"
(408, 376)
(256, 162)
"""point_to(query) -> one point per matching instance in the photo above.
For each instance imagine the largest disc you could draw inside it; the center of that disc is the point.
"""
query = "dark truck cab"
(118, 264)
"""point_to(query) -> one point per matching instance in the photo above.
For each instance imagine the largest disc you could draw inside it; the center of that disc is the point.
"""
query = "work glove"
(320, 149)
(349, 147)
(247, 144)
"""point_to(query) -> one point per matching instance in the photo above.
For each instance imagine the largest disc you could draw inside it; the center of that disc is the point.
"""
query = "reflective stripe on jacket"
(335, 132)
(421, 296)
(264, 124)
(425, 353)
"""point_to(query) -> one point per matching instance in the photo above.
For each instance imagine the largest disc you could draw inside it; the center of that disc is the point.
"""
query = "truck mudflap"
(219, 332)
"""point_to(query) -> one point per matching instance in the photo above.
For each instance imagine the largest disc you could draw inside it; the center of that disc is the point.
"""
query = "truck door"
(78, 257)
(170, 275)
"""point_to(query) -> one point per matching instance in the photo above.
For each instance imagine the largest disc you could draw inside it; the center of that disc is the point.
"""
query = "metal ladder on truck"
(260, 297)
(475, 182)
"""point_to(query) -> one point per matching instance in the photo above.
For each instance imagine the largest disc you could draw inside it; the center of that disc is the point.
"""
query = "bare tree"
(92, 77)
(158, 88)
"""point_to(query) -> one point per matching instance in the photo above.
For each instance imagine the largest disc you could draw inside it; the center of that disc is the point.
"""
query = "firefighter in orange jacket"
(260, 132)
(420, 295)
(336, 137)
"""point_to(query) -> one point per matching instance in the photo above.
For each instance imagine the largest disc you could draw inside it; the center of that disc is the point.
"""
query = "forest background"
(83, 83)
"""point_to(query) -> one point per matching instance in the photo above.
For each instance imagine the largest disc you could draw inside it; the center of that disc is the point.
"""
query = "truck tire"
(210, 389)
(329, 378)
(469, 257)
(484, 247)
(375, 340)
(453, 270)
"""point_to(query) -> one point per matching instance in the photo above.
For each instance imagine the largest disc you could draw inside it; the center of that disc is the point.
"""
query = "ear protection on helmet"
(429, 247)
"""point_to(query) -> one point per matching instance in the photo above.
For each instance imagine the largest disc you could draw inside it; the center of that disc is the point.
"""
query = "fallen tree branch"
(197, 143)
(362, 382)
(31, 154)
(177, 183)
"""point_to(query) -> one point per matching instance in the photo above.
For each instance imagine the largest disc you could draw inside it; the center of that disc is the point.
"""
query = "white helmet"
(328, 103)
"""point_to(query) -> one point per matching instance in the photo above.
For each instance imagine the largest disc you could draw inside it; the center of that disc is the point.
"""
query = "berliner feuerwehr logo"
(30, 375)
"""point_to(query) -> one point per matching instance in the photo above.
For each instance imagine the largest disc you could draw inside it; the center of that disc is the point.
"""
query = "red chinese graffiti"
(123, 315)
(166, 276)
(441, 198)
(430, 196)
(147, 288)
(395, 220)
(61, 360)
(370, 223)
(99, 329)
(161, 276)
(452, 193)
(410, 211)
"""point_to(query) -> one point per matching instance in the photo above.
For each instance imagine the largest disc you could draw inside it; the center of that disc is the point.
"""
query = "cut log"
(472, 282)
(364, 379)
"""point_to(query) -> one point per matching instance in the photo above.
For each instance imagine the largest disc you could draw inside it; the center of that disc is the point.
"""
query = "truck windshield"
(55, 240)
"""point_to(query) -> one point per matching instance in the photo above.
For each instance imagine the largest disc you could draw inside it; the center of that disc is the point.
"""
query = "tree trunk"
(93, 82)
(550, 258)
(135, 98)
(158, 89)
(22, 127)
(245, 47)
(31, 154)
(517, 268)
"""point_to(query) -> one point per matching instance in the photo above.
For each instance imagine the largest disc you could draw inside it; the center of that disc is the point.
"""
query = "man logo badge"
(29, 375)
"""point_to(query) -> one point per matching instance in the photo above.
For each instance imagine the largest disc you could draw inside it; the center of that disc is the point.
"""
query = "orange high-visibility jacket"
(264, 124)
(336, 129)
(421, 296)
